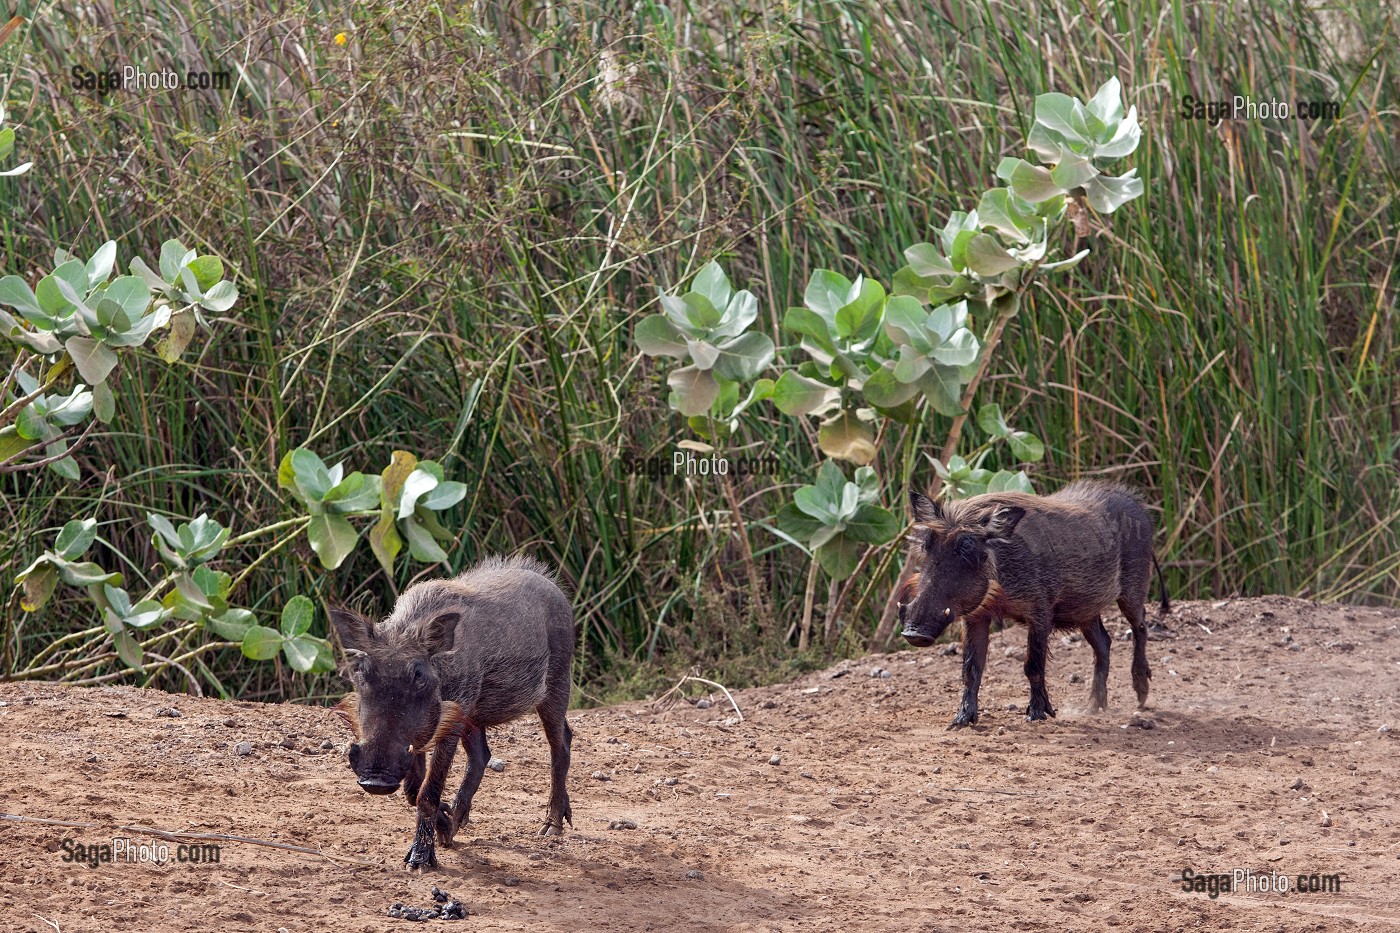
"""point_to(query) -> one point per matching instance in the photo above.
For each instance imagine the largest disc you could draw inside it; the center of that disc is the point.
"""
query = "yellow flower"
(340, 38)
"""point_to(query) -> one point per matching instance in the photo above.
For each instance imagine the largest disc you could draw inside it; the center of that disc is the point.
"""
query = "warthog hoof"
(1034, 713)
(421, 857)
(445, 825)
(962, 721)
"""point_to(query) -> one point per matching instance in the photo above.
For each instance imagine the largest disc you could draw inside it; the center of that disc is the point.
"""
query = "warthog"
(1056, 561)
(455, 658)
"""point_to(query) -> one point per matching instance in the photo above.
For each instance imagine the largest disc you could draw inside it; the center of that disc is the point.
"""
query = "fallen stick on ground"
(721, 687)
(178, 836)
(993, 790)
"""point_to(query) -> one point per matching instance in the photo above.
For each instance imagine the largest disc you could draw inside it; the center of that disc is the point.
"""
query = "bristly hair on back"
(496, 563)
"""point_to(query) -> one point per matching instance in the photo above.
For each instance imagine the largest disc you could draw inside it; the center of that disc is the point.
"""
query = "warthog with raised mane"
(455, 658)
(1056, 561)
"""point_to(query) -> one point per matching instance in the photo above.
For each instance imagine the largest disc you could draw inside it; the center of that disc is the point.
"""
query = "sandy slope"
(875, 818)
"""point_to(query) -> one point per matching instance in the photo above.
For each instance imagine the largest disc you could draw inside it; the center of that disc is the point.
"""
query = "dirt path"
(873, 818)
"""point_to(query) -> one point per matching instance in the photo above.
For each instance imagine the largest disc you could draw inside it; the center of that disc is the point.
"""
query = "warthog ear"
(354, 630)
(1002, 522)
(439, 632)
(923, 508)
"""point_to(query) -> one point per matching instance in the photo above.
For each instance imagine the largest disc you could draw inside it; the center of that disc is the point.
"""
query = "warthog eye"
(967, 550)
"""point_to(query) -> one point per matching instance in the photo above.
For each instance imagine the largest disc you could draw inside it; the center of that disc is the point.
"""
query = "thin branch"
(9, 466)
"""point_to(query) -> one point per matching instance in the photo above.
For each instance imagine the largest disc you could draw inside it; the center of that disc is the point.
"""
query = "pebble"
(1326, 819)
(768, 704)
(169, 712)
(672, 782)
(879, 672)
(288, 742)
(1075, 679)
(601, 776)
(243, 748)
(776, 760)
(703, 703)
(807, 774)
(622, 824)
(1384, 729)
(231, 723)
(1296, 785)
(694, 875)
(496, 764)
(948, 649)
(1014, 652)
(327, 745)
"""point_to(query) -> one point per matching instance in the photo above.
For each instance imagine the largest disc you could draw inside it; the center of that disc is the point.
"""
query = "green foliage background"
(445, 230)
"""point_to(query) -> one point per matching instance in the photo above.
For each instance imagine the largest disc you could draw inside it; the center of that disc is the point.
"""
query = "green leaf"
(301, 652)
(987, 257)
(942, 388)
(714, 285)
(219, 298)
(860, 319)
(37, 585)
(657, 336)
(418, 484)
(173, 257)
(990, 420)
(1063, 116)
(332, 538)
(313, 479)
(128, 649)
(1073, 171)
(839, 556)
(325, 658)
(181, 332)
(847, 437)
(385, 542)
(87, 574)
(207, 270)
(233, 624)
(700, 312)
(1107, 104)
(798, 524)
(443, 496)
(75, 538)
(104, 406)
(1007, 481)
(1106, 194)
(1007, 214)
(297, 616)
(1027, 447)
(261, 643)
(797, 395)
(16, 293)
(744, 357)
(693, 390)
(873, 525)
(827, 292)
(93, 360)
(1032, 183)
(883, 390)
(421, 545)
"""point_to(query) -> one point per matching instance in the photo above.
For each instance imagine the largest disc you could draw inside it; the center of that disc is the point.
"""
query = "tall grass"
(445, 230)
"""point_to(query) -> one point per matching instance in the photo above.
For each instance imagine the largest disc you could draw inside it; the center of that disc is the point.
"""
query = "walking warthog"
(1056, 561)
(455, 658)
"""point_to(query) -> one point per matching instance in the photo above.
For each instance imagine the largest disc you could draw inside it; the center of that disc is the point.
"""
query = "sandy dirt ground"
(839, 802)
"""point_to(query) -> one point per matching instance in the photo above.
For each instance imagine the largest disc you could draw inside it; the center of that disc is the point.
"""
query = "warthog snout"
(378, 777)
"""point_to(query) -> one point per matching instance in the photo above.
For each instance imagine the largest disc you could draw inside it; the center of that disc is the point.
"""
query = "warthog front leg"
(414, 779)
(453, 725)
(478, 754)
(974, 645)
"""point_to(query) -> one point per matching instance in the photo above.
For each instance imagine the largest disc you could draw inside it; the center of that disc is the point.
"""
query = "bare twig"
(721, 687)
(993, 790)
(9, 466)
